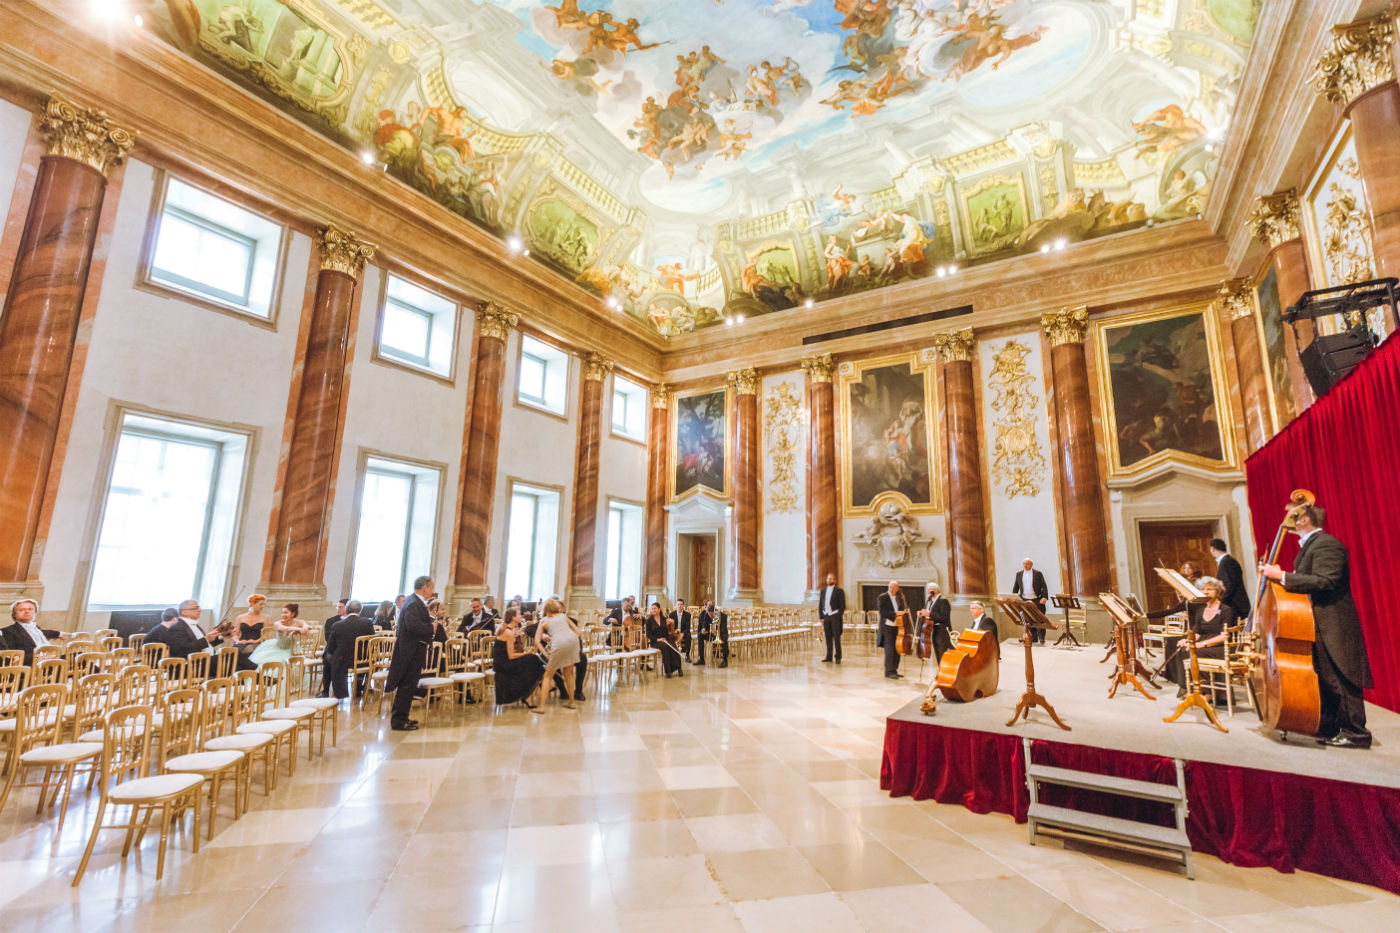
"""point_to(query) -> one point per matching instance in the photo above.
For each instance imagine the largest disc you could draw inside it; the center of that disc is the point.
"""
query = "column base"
(582, 597)
(459, 598)
(312, 603)
(743, 596)
(654, 592)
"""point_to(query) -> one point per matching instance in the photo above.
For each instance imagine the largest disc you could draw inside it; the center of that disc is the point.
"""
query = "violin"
(1284, 681)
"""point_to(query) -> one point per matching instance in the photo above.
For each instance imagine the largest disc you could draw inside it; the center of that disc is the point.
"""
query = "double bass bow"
(1286, 692)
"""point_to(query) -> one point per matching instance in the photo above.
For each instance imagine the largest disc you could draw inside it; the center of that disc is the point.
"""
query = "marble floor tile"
(736, 833)
(812, 913)
(763, 873)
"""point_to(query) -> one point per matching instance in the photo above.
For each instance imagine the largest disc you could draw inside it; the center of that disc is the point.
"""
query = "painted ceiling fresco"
(697, 161)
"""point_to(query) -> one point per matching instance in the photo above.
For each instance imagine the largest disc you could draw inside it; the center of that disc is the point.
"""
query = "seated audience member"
(280, 648)
(22, 634)
(477, 619)
(384, 616)
(180, 632)
(339, 655)
(518, 673)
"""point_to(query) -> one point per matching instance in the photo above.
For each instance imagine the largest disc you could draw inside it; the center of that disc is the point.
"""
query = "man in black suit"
(326, 639)
(982, 622)
(181, 634)
(717, 623)
(831, 606)
(681, 617)
(1322, 571)
(704, 630)
(1231, 576)
(477, 618)
(892, 603)
(617, 617)
(1030, 585)
(339, 655)
(940, 612)
(413, 631)
(22, 634)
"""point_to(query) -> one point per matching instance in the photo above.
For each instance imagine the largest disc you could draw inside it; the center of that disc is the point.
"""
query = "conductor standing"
(831, 604)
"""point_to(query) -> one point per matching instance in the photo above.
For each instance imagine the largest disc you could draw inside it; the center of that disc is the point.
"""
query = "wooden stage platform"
(1254, 800)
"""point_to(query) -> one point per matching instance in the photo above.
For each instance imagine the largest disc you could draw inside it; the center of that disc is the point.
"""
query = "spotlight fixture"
(109, 10)
(138, 21)
(1060, 244)
(739, 318)
(367, 157)
(942, 271)
(516, 245)
(808, 303)
(1045, 247)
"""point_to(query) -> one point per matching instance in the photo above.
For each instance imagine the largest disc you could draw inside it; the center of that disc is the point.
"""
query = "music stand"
(1189, 592)
(1125, 645)
(1028, 615)
(1066, 602)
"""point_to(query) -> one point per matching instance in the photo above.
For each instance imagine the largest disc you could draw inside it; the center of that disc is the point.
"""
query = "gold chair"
(185, 726)
(50, 671)
(47, 652)
(11, 658)
(135, 641)
(104, 633)
(37, 743)
(92, 698)
(431, 681)
(154, 653)
(291, 688)
(201, 664)
(221, 704)
(226, 662)
(324, 709)
(270, 678)
(110, 643)
(381, 652)
(1221, 674)
(125, 781)
(175, 674)
(90, 662)
(362, 666)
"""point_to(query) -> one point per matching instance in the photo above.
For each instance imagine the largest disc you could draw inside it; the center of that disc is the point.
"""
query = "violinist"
(938, 613)
(892, 604)
(1322, 571)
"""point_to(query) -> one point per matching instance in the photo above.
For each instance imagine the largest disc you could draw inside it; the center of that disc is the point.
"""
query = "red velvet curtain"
(1346, 449)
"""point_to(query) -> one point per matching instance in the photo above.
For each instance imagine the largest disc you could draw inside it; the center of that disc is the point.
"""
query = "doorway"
(697, 561)
(1171, 544)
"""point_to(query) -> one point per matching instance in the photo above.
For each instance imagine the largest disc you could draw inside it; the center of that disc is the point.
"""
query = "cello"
(904, 634)
(1283, 680)
(971, 668)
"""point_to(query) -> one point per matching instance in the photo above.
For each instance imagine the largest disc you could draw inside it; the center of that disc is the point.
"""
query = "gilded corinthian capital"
(596, 366)
(661, 396)
(744, 381)
(1360, 59)
(1236, 299)
(955, 346)
(493, 320)
(85, 136)
(1275, 218)
(1066, 325)
(342, 252)
(819, 368)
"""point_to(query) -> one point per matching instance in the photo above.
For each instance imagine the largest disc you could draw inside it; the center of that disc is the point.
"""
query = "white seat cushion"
(317, 703)
(204, 762)
(247, 742)
(154, 788)
(61, 754)
(466, 677)
(426, 682)
(289, 712)
(268, 727)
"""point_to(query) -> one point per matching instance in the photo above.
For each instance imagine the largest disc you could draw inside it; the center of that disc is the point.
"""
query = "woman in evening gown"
(660, 638)
(518, 673)
(280, 648)
(561, 635)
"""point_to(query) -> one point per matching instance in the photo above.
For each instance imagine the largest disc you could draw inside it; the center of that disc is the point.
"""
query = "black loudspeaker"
(130, 622)
(1328, 358)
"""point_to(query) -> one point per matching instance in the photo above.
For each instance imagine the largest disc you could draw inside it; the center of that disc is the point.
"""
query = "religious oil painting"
(698, 452)
(1163, 389)
(1275, 344)
(888, 427)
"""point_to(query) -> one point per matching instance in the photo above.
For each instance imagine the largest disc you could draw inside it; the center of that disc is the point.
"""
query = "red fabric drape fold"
(1346, 449)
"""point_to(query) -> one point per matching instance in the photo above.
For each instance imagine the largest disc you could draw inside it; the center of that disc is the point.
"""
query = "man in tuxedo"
(1322, 571)
(831, 606)
(1231, 576)
(326, 638)
(717, 623)
(1030, 585)
(892, 603)
(704, 629)
(982, 622)
(182, 635)
(340, 647)
(413, 631)
(617, 618)
(938, 610)
(22, 634)
(477, 618)
(681, 617)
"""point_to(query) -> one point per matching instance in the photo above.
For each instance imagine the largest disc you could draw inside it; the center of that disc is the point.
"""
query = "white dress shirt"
(1028, 584)
(826, 600)
(35, 634)
(1302, 542)
(977, 622)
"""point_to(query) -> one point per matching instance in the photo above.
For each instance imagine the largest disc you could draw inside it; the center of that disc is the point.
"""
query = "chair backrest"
(39, 716)
(381, 651)
(432, 659)
(93, 696)
(200, 666)
(50, 671)
(304, 643)
(247, 692)
(46, 652)
(105, 633)
(174, 674)
(153, 654)
(227, 662)
(13, 680)
(272, 681)
(219, 702)
(11, 658)
(363, 653)
(121, 658)
(90, 662)
(456, 653)
(110, 642)
(180, 722)
(296, 679)
(135, 641)
(126, 745)
(138, 685)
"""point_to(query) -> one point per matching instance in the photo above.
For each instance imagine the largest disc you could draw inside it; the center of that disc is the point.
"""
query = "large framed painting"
(700, 444)
(1161, 383)
(887, 432)
(1275, 343)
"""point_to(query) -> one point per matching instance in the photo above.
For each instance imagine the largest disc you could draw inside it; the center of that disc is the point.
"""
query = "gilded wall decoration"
(887, 422)
(782, 433)
(1337, 220)
(1019, 465)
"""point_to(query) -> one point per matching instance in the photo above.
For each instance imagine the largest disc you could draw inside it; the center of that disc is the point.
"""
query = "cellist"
(892, 603)
(1322, 571)
(939, 613)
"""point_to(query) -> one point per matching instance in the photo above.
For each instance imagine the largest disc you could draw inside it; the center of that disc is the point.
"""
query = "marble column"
(39, 323)
(314, 439)
(1275, 224)
(744, 473)
(1081, 493)
(483, 443)
(967, 517)
(658, 446)
(585, 525)
(823, 509)
(1237, 309)
(1359, 71)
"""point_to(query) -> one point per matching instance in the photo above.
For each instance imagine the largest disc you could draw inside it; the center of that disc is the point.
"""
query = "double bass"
(971, 668)
(1284, 682)
(904, 632)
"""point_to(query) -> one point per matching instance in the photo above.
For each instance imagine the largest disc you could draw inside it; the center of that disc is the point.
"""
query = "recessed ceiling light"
(367, 157)
(138, 20)
(515, 244)
(808, 303)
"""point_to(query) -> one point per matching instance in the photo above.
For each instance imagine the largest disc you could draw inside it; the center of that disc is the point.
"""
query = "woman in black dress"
(660, 638)
(384, 616)
(1210, 621)
(518, 673)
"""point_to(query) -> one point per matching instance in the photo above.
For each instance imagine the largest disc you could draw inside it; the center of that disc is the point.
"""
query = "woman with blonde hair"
(561, 635)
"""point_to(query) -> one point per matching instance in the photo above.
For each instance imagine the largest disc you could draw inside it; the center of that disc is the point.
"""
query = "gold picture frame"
(853, 374)
(674, 446)
(1214, 368)
(1280, 411)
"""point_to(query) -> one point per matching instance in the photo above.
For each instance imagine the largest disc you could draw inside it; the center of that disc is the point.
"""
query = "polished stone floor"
(739, 799)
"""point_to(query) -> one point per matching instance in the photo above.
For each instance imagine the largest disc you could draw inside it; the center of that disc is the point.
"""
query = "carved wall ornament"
(744, 381)
(494, 320)
(596, 366)
(1275, 219)
(85, 136)
(1019, 464)
(1237, 299)
(782, 433)
(819, 368)
(342, 252)
(891, 538)
(661, 396)
(1067, 325)
(1359, 60)
(955, 346)
(1346, 239)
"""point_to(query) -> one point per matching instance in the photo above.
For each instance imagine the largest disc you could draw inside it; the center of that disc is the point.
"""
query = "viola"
(970, 669)
(1284, 681)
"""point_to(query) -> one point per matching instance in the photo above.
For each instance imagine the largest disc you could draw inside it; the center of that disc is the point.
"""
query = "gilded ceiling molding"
(342, 252)
(661, 396)
(1359, 60)
(85, 136)
(1236, 299)
(1275, 218)
(494, 320)
(1067, 325)
(819, 368)
(955, 346)
(596, 366)
(744, 381)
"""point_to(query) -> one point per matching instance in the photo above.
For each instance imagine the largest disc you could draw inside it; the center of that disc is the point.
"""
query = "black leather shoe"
(699, 663)
(578, 696)
(891, 676)
(826, 660)
(899, 675)
(404, 726)
(1349, 740)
